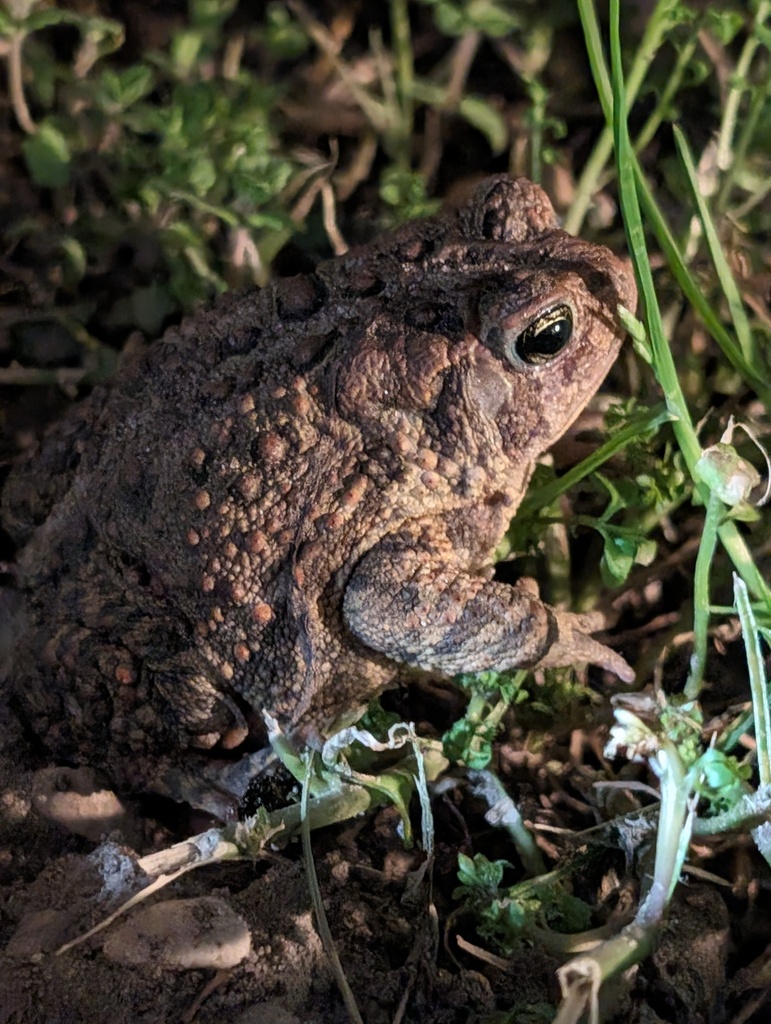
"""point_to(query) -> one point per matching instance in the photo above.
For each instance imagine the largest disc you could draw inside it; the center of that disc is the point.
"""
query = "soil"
(377, 897)
(407, 950)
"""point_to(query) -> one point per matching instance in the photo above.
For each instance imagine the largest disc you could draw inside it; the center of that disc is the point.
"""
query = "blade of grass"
(663, 363)
(758, 683)
(727, 283)
(645, 423)
(761, 834)
(658, 23)
(693, 292)
(594, 51)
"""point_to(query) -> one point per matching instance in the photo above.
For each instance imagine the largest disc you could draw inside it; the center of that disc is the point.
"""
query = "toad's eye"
(545, 337)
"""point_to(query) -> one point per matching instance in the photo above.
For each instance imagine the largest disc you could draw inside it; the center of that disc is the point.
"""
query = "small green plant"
(470, 739)
(179, 147)
(655, 485)
(525, 911)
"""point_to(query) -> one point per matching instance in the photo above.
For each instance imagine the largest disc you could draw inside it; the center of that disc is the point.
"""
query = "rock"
(181, 935)
(270, 1012)
(74, 798)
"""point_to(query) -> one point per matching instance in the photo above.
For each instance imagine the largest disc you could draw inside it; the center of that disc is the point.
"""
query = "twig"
(322, 923)
(16, 85)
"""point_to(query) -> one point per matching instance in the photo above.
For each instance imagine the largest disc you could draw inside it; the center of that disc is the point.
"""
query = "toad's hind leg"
(204, 716)
(105, 704)
(204, 725)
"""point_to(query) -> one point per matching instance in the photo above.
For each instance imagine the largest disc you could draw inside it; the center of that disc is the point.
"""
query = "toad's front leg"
(413, 607)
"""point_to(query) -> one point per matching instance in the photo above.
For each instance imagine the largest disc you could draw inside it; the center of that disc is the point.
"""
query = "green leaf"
(481, 873)
(211, 13)
(492, 685)
(763, 33)
(184, 52)
(8, 25)
(284, 37)
(150, 196)
(203, 175)
(720, 779)
(105, 34)
(465, 741)
(485, 16)
(617, 559)
(725, 25)
(492, 19)
(719, 260)
(405, 191)
(624, 548)
(76, 259)
(48, 157)
(486, 119)
(121, 89)
(466, 872)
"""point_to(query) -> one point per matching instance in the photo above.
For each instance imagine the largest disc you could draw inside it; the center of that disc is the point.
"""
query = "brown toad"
(294, 494)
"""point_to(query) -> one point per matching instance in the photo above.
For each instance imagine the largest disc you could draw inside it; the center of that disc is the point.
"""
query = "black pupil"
(552, 338)
(546, 336)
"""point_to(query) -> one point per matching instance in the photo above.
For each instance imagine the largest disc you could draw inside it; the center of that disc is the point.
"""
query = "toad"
(298, 492)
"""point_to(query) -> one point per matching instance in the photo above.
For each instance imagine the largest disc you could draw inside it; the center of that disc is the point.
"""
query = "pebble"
(181, 935)
(75, 799)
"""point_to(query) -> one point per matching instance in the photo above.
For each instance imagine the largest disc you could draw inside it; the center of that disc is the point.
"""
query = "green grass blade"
(663, 363)
(659, 20)
(692, 290)
(645, 423)
(594, 50)
(758, 682)
(726, 278)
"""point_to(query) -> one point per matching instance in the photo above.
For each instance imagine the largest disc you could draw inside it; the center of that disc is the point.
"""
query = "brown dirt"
(395, 926)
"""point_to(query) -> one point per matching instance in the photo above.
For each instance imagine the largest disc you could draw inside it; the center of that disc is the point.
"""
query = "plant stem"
(538, 99)
(714, 244)
(661, 109)
(582, 977)
(659, 21)
(738, 81)
(322, 924)
(16, 84)
(750, 811)
(746, 135)
(402, 44)
(504, 813)
(701, 605)
(630, 175)
(758, 683)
